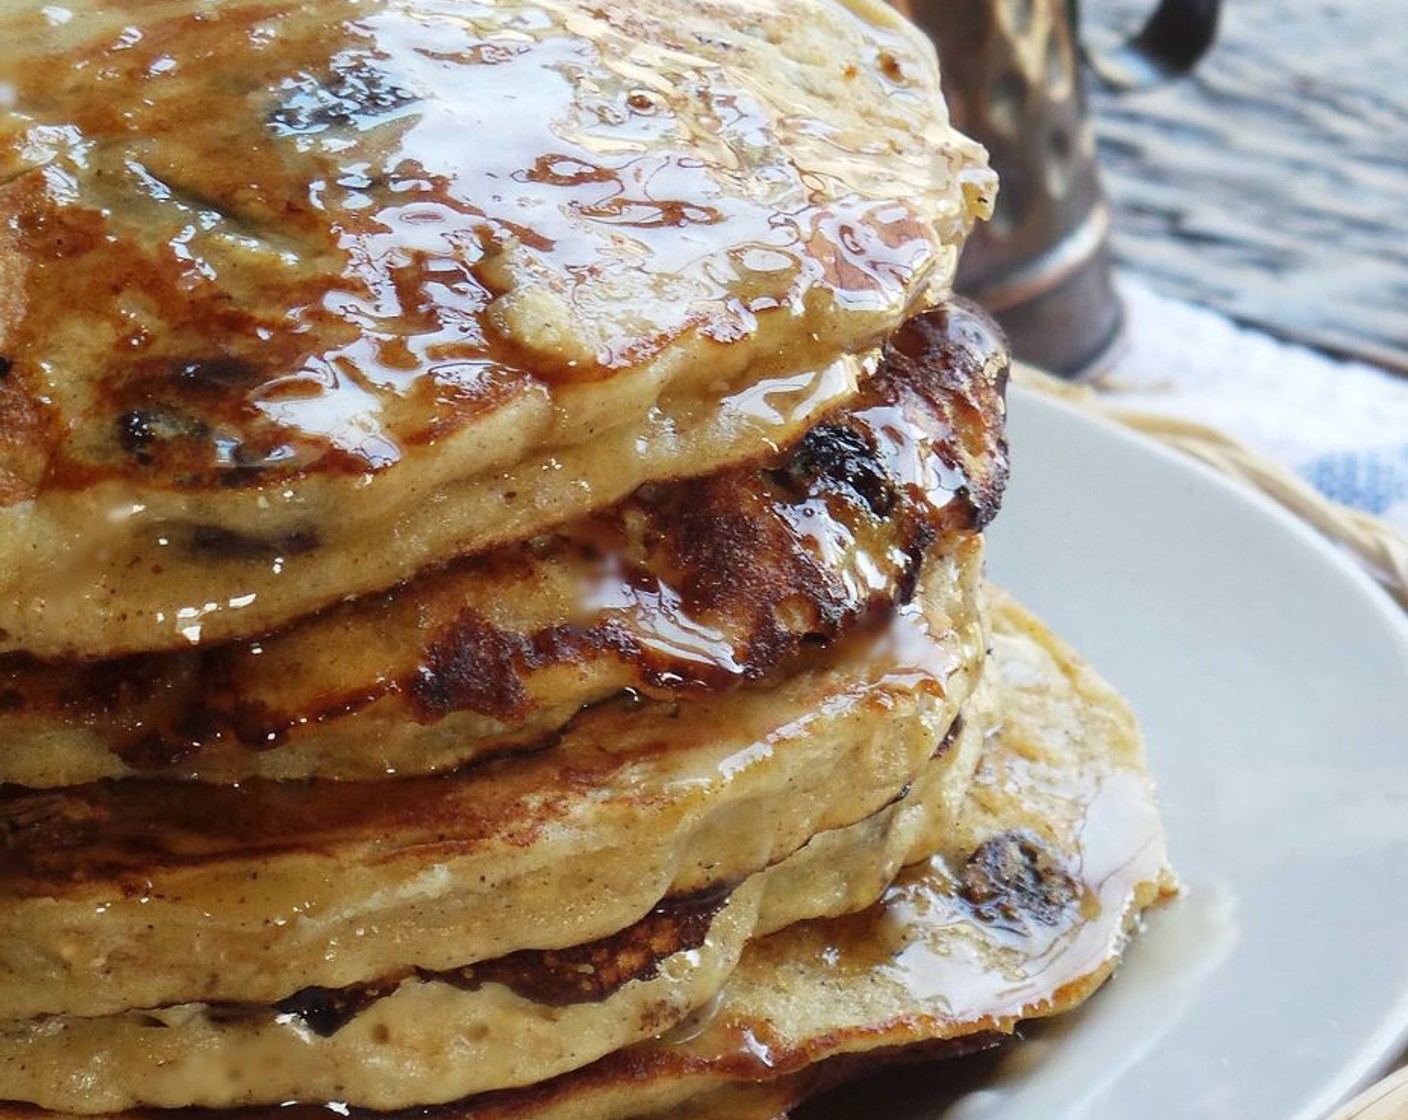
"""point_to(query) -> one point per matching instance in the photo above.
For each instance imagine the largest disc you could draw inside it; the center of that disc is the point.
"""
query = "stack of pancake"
(491, 601)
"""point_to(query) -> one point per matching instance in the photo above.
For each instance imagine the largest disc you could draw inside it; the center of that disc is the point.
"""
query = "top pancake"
(293, 305)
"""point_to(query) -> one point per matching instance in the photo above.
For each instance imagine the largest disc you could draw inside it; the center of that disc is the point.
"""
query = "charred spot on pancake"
(843, 457)
(470, 665)
(732, 553)
(722, 553)
(6, 364)
(1014, 879)
(357, 93)
(734, 548)
(26, 439)
(956, 359)
(60, 233)
(590, 973)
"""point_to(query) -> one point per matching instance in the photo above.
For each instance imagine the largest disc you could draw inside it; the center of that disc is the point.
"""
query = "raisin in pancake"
(297, 300)
(684, 588)
(1021, 911)
(512, 1021)
(143, 892)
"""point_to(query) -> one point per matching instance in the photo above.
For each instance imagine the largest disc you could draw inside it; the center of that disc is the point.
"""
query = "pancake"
(512, 1021)
(491, 607)
(683, 589)
(145, 892)
(1021, 912)
(475, 269)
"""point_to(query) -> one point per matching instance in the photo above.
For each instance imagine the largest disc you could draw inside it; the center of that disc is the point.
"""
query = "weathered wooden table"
(1272, 184)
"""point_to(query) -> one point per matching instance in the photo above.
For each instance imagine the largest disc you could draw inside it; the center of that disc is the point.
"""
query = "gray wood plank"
(1273, 184)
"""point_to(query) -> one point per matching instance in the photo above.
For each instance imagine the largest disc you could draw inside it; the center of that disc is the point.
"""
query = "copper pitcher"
(1013, 79)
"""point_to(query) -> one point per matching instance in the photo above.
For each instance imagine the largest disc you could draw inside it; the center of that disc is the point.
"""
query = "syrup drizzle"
(374, 259)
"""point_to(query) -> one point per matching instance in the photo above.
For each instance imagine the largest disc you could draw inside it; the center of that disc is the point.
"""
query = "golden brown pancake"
(1021, 912)
(143, 892)
(418, 1036)
(491, 606)
(683, 589)
(295, 301)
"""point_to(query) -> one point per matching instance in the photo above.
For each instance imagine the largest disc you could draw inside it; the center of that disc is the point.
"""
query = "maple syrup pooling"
(399, 177)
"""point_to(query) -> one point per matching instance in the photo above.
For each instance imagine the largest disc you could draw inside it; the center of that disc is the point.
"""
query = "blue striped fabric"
(1374, 481)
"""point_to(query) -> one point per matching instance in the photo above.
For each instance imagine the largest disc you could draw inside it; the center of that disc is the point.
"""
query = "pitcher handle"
(1169, 45)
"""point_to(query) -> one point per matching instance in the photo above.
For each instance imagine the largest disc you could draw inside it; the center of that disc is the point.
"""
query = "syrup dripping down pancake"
(144, 892)
(685, 588)
(416, 1036)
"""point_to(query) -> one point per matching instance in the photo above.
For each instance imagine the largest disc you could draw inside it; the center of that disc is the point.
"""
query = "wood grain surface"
(1273, 183)
(1386, 1100)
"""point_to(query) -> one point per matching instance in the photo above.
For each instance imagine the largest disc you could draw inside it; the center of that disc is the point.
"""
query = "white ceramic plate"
(1271, 678)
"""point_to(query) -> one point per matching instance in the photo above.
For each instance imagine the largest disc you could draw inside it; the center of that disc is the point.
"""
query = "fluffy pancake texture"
(685, 588)
(144, 892)
(492, 619)
(239, 388)
(514, 1020)
(1021, 912)
(1020, 909)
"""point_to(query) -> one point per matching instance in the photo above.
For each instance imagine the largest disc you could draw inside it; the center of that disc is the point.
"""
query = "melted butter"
(428, 199)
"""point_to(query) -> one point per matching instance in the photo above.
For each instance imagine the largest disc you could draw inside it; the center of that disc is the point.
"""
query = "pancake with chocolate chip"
(280, 323)
(684, 589)
(1022, 911)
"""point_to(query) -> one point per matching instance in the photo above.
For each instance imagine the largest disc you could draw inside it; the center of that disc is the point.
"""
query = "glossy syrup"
(700, 585)
(928, 963)
(432, 207)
